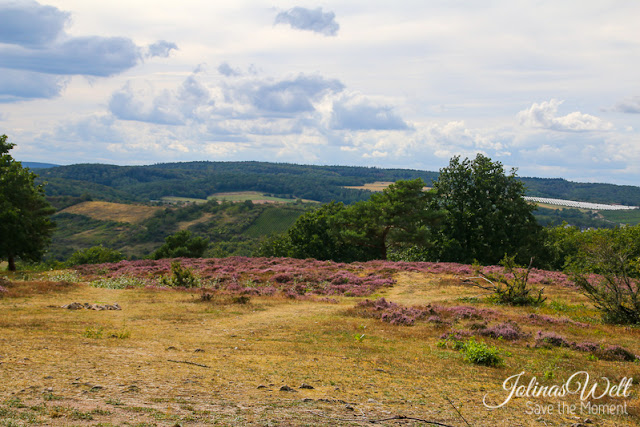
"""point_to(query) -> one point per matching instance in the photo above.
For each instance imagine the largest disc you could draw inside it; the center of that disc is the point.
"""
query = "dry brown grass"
(62, 367)
(106, 211)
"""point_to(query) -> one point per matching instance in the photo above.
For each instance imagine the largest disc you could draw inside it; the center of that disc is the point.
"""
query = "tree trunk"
(12, 264)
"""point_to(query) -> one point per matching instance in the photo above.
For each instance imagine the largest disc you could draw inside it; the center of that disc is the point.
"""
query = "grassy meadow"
(220, 354)
(118, 212)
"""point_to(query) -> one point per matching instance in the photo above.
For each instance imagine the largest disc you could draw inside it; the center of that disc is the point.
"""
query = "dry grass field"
(119, 212)
(171, 358)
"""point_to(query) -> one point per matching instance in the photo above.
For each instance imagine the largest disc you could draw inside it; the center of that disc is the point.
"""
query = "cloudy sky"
(549, 87)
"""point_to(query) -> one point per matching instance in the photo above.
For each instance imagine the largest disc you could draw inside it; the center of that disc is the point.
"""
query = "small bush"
(94, 333)
(509, 331)
(615, 290)
(551, 339)
(512, 286)
(480, 353)
(393, 313)
(181, 277)
(617, 353)
(94, 255)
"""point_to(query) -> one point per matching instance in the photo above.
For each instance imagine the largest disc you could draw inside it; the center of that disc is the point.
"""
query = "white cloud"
(545, 115)
(314, 20)
(629, 105)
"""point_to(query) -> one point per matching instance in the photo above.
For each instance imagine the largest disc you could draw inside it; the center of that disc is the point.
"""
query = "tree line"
(475, 212)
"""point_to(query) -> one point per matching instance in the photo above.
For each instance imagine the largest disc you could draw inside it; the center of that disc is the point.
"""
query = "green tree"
(319, 234)
(182, 245)
(315, 234)
(399, 217)
(95, 255)
(25, 223)
(487, 216)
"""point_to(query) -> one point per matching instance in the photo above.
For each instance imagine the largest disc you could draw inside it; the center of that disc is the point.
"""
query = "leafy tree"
(315, 234)
(95, 255)
(25, 224)
(182, 244)
(615, 290)
(398, 217)
(487, 215)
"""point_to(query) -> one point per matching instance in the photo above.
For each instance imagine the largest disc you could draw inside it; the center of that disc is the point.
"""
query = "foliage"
(480, 353)
(473, 351)
(486, 213)
(600, 351)
(94, 255)
(615, 287)
(25, 224)
(181, 277)
(393, 313)
(202, 179)
(293, 278)
(315, 234)
(590, 219)
(512, 285)
(182, 245)
(118, 283)
(397, 217)
(509, 331)
(558, 188)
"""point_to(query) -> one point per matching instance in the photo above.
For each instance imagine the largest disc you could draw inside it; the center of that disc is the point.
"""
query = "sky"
(551, 88)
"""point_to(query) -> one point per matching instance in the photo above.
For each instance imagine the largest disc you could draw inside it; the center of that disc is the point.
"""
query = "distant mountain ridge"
(38, 165)
(322, 183)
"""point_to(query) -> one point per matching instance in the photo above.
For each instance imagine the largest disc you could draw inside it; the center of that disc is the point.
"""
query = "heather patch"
(465, 312)
(393, 313)
(551, 339)
(509, 331)
(601, 351)
(536, 276)
(293, 278)
(542, 319)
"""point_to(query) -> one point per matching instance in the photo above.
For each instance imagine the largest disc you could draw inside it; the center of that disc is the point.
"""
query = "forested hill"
(584, 192)
(201, 179)
(321, 183)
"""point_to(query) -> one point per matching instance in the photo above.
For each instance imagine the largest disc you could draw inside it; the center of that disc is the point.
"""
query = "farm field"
(254, 196)
(118, 212)
(375, 186)
(223, 354)
(238, 196)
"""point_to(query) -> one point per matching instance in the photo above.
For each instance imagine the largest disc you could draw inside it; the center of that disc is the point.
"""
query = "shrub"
(511, 286)
(615, 290)
(393, 313)
(546, 339)
(182, 245)
(480, 353)
(94, 255)
(181, 277)
(509, 331)
(617, 353)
